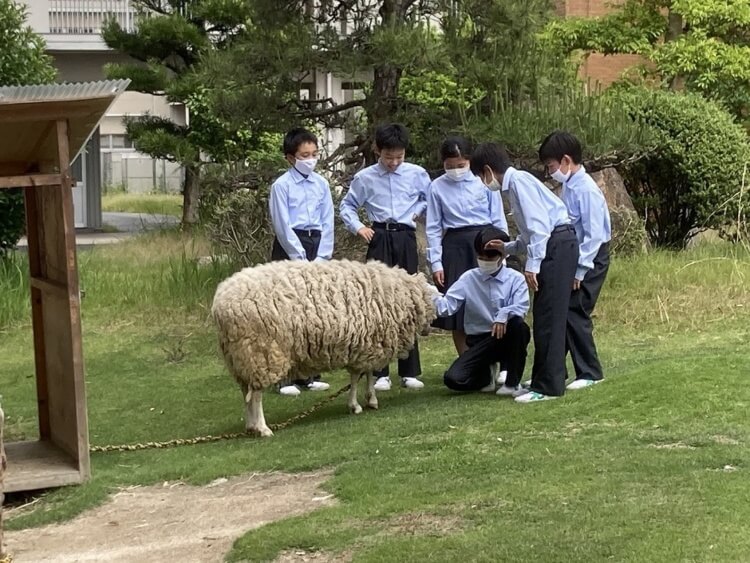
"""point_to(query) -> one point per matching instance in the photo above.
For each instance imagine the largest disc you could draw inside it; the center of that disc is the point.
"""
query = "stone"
(629, 234)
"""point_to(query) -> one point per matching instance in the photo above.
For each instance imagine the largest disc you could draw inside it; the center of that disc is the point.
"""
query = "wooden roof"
(28, 114)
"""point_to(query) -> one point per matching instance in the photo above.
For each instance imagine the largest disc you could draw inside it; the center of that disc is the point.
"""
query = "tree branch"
(317, 114)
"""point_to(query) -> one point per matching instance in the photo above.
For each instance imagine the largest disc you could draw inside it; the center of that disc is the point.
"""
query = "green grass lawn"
(151, 204)
(651, 465)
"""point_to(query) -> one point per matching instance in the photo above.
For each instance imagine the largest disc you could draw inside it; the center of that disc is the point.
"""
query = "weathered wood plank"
(30, 181)
(39, 465)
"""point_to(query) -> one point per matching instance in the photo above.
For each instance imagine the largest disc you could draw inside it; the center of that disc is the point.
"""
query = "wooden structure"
(43, 129)
(2, 478)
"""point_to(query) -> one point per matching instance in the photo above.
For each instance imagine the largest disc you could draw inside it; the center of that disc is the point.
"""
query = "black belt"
(467, 228)
(563, 228)
(390, 227)
(307, 232)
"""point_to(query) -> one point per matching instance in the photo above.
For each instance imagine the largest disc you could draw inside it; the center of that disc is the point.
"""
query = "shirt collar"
(575, 177)
(382, 170)
(297, 176)
(506, 178)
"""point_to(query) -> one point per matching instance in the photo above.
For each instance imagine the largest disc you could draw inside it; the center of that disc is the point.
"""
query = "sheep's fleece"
(302, 318)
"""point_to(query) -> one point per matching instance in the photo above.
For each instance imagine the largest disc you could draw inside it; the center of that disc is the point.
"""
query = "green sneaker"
(533, 397)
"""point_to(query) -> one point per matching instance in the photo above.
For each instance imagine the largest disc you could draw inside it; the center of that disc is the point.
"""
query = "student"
(301, 210)
(496, 300)
(561, 153)
(394, 194)
(548, 237)
(458, 207)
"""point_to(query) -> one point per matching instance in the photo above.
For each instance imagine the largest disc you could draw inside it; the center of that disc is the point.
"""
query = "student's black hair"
(486, 235)
(391, 136)
(558, 144)
(296, 137)
(455, 147)
(493, 155)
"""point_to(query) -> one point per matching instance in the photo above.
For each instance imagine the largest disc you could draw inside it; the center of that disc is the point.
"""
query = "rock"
(613, 188)
(628, 230)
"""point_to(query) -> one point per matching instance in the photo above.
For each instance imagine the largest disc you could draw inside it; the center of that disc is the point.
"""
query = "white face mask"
(489, 267)
(560, 176)
(457, 174)
(494, 185)
(307, 166)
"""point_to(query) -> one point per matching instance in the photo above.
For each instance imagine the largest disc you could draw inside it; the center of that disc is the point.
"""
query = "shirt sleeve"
(278, 205)
(519, 302)
(325, 250)
(497, 213)
(434, 231)
(349, 207)
(592, 223)
(451, 302)
(423, 178)
(537, 223)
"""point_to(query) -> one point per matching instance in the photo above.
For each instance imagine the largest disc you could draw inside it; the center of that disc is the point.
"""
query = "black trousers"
(398, 248)
(310, 241)
(472, 370)
(550, 311)
(580, 335)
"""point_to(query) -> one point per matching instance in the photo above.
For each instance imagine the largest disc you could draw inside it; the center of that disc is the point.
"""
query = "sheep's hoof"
(355, 409)
(372, 405)
(264, 432)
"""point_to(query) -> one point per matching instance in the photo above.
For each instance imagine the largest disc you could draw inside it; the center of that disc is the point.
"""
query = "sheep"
(303, 318)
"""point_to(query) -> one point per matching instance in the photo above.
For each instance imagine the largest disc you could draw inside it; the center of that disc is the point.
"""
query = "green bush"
(692, 179)
(11, 219)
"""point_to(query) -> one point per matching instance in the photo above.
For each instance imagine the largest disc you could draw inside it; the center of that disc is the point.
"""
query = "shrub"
(692, 178)
(11, 219)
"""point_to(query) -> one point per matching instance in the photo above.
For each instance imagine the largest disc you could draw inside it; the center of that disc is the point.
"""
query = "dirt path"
(172, 522)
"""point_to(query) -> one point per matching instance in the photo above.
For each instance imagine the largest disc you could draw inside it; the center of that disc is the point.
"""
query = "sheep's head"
(429, 291)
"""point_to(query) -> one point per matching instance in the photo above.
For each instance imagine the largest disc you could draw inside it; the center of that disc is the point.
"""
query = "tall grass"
(150, 204)
(155, 274)
(158, 274)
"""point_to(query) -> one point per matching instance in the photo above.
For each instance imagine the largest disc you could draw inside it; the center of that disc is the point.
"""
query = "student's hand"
(418, 218)
(439, 278)
(576, 285)
(366, 233)
(498, 330)
(532, 281)
(496, 244)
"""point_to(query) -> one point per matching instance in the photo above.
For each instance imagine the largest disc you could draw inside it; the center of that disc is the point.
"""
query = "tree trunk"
(386, 78)
(674, 30)
(190, 196)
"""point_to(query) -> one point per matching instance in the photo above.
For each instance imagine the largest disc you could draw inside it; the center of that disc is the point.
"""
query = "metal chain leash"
(219, 438)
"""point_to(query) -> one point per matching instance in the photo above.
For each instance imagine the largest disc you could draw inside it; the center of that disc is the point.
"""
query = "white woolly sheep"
(302, 318)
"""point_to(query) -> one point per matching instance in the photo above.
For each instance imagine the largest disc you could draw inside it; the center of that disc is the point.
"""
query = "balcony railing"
(88, 17)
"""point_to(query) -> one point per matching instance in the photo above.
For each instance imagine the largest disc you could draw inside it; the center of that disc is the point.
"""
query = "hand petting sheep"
(304, 318)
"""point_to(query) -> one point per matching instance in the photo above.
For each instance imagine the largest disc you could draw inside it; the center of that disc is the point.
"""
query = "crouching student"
(495, 300)
(301, 209)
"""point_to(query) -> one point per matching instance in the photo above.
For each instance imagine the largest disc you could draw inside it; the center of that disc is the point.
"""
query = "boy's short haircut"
(558, 144)
(296, 137)
(392, 136)
(493, 155)
(486, 235)
(455, 147)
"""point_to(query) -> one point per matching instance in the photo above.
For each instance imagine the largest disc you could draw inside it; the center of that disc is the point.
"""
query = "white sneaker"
(507, 391)
(500, 376)
(318, 386)
(582, 384)
(533, 397)
(520, 390)
(289, 390)
(383, 384)
(491, 387)
(410, 383)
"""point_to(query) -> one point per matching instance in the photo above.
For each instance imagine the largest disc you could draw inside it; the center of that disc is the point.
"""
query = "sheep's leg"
(250, 415)
(372, 399)
(255, 421)
(260, 420)
(354, 407)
